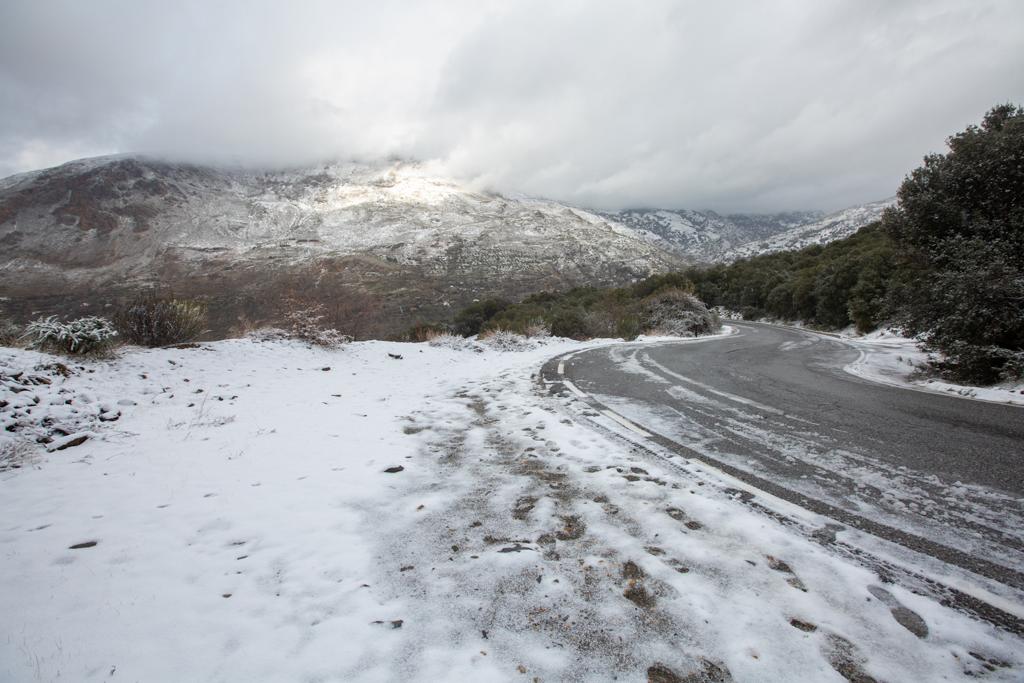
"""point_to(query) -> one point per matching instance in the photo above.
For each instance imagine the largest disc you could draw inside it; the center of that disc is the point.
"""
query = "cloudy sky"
(734, 106)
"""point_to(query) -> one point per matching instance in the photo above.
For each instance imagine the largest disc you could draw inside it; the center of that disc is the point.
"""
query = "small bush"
(570, 323)
(455, 342)
(306, 324)
(155, 321)
(85, 336)
(677, 312)
(503, 340)
(537, 328)
(628, 327)
(470, 320)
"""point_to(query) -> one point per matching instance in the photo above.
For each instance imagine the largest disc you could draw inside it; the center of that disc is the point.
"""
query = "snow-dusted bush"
(306, 324)
(91, 335)
(677, 312)
(537, 328)
(156, 321)
(503, 340)
(496, 340)
(455, 342)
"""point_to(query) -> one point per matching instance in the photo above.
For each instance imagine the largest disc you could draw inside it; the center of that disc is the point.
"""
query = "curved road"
(774, 407)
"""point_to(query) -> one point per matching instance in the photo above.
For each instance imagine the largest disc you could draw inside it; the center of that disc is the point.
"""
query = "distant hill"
(834, 226)
(705, 236)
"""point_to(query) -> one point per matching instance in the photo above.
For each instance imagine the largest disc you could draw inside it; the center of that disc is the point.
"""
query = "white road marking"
(724, 394)
(561, 367)
(625, 423)
(607, 413)
(573, 388)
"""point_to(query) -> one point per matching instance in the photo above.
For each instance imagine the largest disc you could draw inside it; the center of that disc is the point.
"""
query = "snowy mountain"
(706, 236)
(826, 229)
(381, 244)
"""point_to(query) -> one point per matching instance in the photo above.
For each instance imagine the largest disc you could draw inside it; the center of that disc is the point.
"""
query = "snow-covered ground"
(887, 357)
(262, 511)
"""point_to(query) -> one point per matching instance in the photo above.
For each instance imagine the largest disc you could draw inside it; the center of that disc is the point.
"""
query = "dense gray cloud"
(739, 106)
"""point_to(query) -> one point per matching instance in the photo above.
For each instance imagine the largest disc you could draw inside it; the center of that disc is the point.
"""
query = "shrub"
(306, 324)
(536, 328)
(156, 321)
(470, 320)
(503, 340)
(628, 327)
(424, 332)
(455, 342)
(569, 322)
(677, 312)
(85, 336)
(529, 319)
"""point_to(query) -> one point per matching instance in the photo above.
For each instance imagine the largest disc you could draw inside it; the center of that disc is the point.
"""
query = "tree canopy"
(960, 218)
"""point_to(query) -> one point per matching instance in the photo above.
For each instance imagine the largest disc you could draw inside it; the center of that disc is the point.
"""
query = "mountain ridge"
(708, 237)
(404, 243)
(377, 242)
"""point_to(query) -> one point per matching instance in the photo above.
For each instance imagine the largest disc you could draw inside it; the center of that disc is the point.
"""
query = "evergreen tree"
(961, 218)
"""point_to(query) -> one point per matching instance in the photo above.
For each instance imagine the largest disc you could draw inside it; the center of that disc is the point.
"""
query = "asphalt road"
(939, 474)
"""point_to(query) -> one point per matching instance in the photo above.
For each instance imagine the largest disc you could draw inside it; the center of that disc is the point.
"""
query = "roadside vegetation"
(154, 321)
(663, 304)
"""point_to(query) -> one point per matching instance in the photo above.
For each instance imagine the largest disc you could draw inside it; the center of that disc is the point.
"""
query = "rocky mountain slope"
(826, 229)
(381, 246)
(705, 236)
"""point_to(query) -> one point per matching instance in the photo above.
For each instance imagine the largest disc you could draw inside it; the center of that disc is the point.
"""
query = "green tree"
(960, 218)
